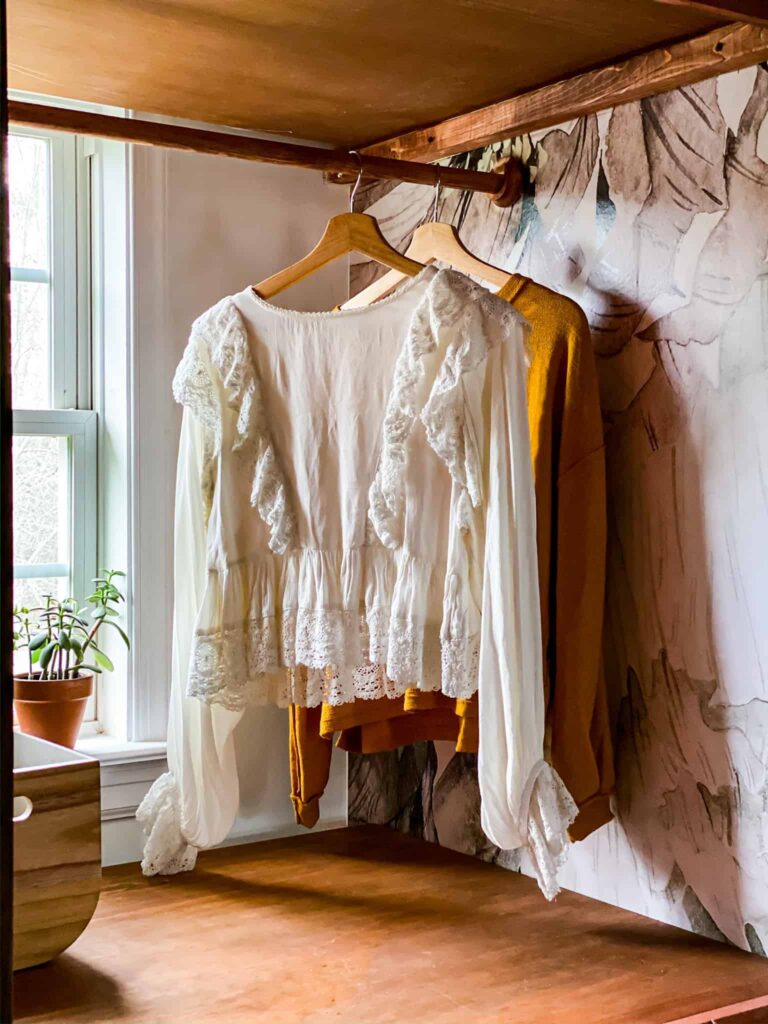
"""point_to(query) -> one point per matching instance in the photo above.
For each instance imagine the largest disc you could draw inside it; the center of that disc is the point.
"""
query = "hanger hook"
(436, 200)
(353, 193)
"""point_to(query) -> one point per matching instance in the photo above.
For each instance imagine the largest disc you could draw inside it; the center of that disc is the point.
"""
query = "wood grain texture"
(752, 1011)
(57, 859)
(367, 925)
(330, 71)
(738, 10)
(669, 67)
(431, 242)
(344, 234)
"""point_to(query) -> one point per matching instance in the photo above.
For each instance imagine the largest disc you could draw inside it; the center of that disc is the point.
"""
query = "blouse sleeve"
(523, 801)
(194, 804)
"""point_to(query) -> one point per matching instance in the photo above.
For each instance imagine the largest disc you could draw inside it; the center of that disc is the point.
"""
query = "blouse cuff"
(166, 851)
(551, 811)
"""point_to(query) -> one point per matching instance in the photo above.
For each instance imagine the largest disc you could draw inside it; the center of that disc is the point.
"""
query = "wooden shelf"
(723, 49)
(331, 72)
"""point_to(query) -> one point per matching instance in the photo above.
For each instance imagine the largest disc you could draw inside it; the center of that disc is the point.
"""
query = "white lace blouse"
(355, 496)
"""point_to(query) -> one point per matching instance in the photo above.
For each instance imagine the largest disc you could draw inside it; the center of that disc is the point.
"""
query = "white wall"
(204, 227)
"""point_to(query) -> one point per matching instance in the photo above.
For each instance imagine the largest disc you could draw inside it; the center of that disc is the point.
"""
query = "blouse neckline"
(333, 314)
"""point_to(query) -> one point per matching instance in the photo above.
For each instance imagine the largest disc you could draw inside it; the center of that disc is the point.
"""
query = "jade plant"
(61, 638)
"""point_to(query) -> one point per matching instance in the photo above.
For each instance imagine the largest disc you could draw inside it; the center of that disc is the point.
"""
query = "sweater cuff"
(307, 811)
(593, 813)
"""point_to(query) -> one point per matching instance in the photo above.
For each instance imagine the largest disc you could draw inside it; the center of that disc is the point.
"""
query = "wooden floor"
(362, 926)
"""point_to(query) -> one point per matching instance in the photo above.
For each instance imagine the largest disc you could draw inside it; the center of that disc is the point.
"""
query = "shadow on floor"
(78, 987)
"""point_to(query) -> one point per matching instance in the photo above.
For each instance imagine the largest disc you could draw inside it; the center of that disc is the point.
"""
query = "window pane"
(31, 593)
(30, 345)
(29, 176)
(40, 503)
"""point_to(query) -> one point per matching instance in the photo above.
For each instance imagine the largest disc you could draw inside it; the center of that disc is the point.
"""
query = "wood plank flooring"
(364, 926)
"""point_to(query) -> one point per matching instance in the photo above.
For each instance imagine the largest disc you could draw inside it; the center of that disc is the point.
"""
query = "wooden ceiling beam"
(727, 48)
(739, 10)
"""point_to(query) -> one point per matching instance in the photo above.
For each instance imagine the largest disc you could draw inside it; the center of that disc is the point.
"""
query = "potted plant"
(61, 643)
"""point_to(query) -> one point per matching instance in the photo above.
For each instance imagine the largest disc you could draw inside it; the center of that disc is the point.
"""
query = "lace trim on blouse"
(467, 322)
(246, 664)
(455, 313)
(237, 661)
(550, 812)
(385, 495)
(166, 851)
(219, 340)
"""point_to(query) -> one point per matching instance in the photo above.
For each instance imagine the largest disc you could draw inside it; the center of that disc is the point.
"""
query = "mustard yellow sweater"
(569, 471)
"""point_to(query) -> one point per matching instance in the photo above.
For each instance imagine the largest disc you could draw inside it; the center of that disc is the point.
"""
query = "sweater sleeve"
(194, 804)
(523, 801)
(581, 749)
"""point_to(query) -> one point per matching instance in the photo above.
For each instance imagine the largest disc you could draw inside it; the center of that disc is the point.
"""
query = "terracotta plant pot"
(52, 709)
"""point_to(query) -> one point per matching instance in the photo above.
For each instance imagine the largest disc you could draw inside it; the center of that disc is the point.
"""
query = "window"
(55, 442)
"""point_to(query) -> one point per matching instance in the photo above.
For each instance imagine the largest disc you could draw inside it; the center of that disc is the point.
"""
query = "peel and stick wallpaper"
(654, 218)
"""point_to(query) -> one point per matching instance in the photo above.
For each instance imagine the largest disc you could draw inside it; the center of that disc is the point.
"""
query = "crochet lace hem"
(166, 851)
(551, 811)
(349, 657)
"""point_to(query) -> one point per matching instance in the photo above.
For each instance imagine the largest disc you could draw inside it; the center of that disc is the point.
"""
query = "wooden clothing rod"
(504, 188)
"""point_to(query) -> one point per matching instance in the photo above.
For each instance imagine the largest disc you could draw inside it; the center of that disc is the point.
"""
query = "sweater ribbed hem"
(307, 811)
(593, 813)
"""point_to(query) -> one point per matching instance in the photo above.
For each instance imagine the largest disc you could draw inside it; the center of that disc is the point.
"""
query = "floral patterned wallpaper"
(654, 217)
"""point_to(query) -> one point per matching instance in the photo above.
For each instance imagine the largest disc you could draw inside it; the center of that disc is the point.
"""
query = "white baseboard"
(124, 783)
(121, 839)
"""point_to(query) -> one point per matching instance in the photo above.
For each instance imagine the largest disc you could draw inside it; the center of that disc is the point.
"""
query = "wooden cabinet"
(57, 848)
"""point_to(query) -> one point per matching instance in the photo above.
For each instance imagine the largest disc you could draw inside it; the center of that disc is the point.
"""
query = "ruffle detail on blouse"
(219, 341)
(551, 811)
(166, 851)
(368, 622)
(467, 322)
(193, 387)
(385, 495)
(464, 322)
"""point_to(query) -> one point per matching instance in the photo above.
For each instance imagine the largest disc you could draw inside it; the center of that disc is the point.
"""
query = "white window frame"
(70, 416)
(127, 731)
(70, 356)
(78, 426)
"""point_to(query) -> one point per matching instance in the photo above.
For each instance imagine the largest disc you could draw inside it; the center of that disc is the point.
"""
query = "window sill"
(109, 750)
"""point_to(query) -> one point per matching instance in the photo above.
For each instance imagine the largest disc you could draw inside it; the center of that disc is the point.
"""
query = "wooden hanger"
(344, 233)
(432, 241)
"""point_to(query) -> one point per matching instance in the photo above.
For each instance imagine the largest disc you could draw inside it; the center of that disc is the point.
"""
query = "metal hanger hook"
(352, 194)
(436, 200)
